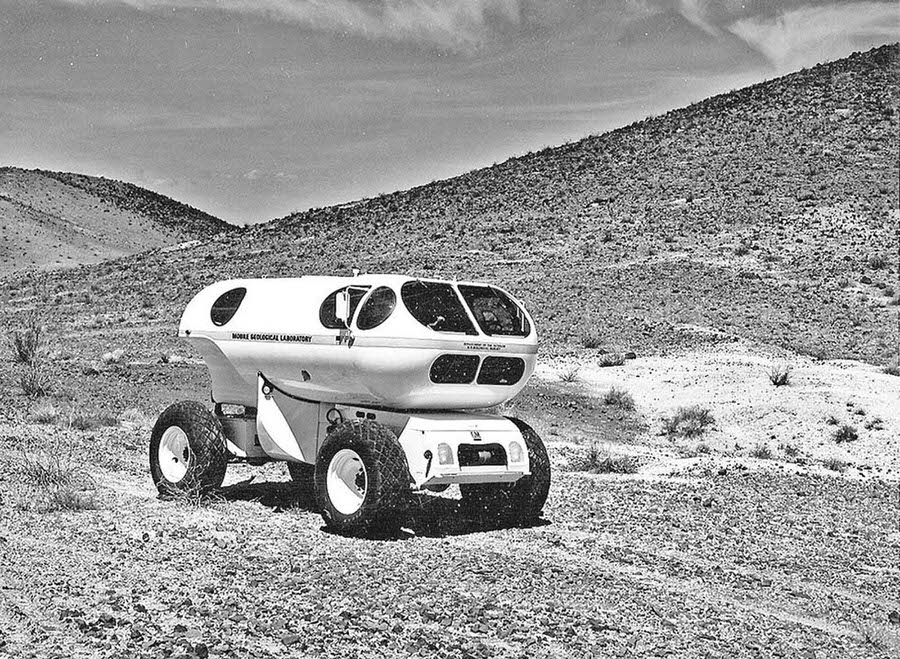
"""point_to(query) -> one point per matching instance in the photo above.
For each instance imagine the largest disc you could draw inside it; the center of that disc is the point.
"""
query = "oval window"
(377, 308)
(226, 305)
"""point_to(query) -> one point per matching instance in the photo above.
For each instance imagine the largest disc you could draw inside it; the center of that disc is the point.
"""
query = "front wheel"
(187, 450)
(361, 478)
(518, 503)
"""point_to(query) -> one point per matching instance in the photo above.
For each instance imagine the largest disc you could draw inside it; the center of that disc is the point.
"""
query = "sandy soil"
(732, 380)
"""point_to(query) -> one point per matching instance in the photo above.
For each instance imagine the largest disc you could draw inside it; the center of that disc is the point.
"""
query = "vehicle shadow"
(426, 515)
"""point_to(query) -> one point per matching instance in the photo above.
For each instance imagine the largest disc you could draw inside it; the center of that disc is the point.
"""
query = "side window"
(327, 315)
(377, 308)
(436, 306)
(496, 313)
(226, 305)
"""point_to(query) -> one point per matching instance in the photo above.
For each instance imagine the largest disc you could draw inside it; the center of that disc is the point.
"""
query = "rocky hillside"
(54, 219)
(768, 213)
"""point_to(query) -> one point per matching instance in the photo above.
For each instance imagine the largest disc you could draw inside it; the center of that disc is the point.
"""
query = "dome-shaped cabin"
(378, 340)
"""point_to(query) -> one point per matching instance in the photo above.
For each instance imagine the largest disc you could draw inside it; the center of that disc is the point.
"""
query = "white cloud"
(452, 24)
(807, 35)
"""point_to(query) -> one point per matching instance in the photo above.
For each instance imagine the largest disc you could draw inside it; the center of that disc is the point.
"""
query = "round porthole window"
(226, 305)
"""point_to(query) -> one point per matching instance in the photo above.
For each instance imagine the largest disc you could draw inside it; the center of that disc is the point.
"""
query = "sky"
(254, 109)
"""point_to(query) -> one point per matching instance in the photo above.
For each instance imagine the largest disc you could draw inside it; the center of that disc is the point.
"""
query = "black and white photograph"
(449, 329)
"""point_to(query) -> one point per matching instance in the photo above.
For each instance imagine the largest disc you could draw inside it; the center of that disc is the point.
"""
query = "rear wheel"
(361, 478)
(187, 450)
(517, 503)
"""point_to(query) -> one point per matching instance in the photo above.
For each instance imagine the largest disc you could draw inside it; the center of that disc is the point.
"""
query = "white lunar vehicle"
(357, 383)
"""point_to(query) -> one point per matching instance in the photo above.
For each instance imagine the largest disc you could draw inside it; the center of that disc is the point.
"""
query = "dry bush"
(591, 340)
(688, 421)
(596, 461)
(570, 374)
(44, 412)
(135, 417)
(891, 369)
(790, 450)
(846, 433)
(34, 381)
(618, 398)
(611, 359)
(114, 357)
(875, 423)
(780, 375)
(835, 464)
(761, 452)
(27, 343)
(90, 420)
(878, 261)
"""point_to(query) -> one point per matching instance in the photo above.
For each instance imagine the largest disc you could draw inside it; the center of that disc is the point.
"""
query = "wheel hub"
(346, 481)
(174, 454)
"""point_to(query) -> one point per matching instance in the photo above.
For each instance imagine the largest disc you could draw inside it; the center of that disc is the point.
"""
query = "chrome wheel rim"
(347, 481)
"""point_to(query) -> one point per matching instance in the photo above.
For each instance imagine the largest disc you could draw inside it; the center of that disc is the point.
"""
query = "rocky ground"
(700, 552)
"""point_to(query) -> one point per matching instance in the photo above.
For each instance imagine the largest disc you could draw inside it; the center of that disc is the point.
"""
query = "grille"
(481, 455)
(454, 369)
(501, 370)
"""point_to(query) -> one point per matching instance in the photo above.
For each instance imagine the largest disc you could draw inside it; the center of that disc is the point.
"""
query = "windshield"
(437, 306)
(495, 311)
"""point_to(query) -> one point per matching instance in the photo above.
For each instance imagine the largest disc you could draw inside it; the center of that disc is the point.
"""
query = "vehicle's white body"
(275, 356)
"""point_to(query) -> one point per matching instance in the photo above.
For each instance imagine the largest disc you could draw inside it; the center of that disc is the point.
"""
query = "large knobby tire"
(303, 478)
(517, 503)
(362, 479)
(187, 450)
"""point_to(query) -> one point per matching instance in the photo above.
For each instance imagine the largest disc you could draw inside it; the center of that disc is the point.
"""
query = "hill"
(57, 219)
(767, 213)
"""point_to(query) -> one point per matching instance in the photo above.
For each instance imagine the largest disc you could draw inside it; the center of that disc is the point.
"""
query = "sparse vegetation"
(34, 381)
(790, 450)
(591, 340)
(114, 357)
(832, 420)
(602, 462)
(834, 464)
(27, 342)
(44, 412)
(761, 452)
(875, 423)
(891, 369)
(618, 398)
(611, 359)
(780, 375)
(878, 261)
(689, 421)
(846, 433)
(570, 374)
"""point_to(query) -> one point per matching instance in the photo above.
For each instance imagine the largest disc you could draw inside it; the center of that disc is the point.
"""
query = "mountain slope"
(768, 213)
(58, 219)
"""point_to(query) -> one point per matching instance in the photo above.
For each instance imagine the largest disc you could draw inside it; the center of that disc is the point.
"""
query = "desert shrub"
(878, 261)
(618, 398)
(611, 359)
(875, 423)
(53, 466)
(790, 450)
(743, 247)
(34, 381)
(831, 420)
(761, 452)
(780, 375)
(135, 417)
(688, 421)
(44, 412)
(601, 462)
(570, 374)
(834, 464)
(194, 496)
(846, 433)
(114, 357)
(91, 420)
(591, 340)
(28, 341)
(891, 369)
(69, 499)
(702, 448)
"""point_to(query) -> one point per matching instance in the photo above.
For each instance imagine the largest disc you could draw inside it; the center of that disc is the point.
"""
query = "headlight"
(445, 454)
(515, 452)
